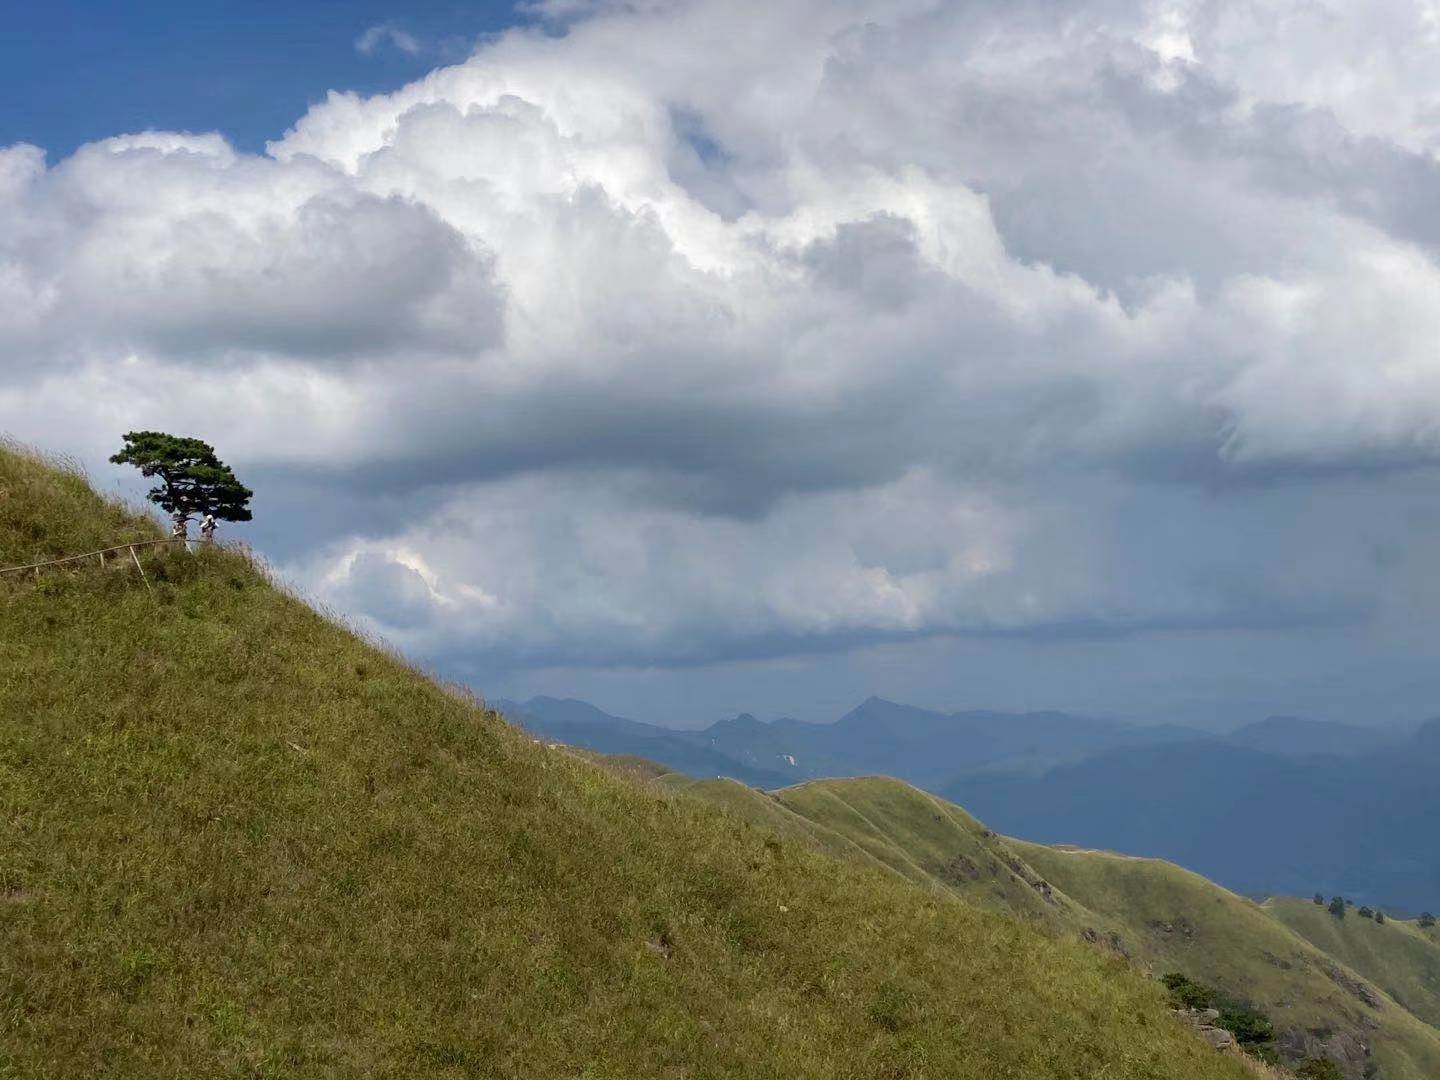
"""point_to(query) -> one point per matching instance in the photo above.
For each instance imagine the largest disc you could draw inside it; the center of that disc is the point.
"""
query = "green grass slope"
(237, 841)
(1165, 918)
(1180, 921)
(763, 809)
(1397, 956)
(886, 824)
(925, 838)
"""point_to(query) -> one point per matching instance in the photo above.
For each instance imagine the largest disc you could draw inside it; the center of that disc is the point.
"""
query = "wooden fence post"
(141, 569)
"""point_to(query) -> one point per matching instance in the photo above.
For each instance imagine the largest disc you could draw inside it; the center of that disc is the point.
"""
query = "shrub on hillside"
(1337, 907)
(1250, 1027)
(1366, 912)
(1380, 916)
(1319, 900)
(1186, 993)
(1426, 921)
(1320, 1069)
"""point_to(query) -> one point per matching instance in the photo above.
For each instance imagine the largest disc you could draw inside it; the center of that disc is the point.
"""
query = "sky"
(696, 357)
(75, 71)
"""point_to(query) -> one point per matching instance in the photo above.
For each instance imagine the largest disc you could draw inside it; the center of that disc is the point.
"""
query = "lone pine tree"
(192, 480)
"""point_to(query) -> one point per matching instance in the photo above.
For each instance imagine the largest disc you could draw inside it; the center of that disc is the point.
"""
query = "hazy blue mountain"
(921, 746)
(1295, 736)
(578, 723)
(1361, 824)
(785, 746)
(547, 713)
(927, 748)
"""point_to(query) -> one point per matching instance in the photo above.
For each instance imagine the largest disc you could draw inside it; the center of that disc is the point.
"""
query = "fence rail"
(93, 554)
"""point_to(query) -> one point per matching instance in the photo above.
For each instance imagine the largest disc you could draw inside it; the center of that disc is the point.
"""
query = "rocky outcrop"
(1352, 984)
(1182, 927)
(1023, 871)
(1345, 1050)
(959, 870)
(1206, 1023)
(1112, 941)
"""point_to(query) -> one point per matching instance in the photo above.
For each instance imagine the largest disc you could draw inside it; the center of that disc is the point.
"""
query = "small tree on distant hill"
(1366, 912)
(1380, 916)
(1426, 920)
(1337, 907)
(1319, 900)
(193, 481)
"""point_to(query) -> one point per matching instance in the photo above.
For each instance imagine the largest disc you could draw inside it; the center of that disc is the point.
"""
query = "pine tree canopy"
(192, 480)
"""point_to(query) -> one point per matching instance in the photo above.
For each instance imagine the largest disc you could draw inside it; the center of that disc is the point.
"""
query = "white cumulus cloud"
(685, 331)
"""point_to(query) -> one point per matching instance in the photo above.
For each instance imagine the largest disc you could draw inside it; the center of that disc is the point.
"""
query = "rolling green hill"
(1397, 956)
(236, 840)
(1180, 921)
(1163, 917)
(922, 838)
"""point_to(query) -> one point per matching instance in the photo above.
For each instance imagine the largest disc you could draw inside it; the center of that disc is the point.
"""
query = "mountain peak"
(874, 708)
(558, 710)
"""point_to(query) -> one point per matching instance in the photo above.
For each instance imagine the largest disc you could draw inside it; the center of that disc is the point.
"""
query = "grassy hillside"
(237, 841)
(889, 823)
(1180, 921)
(1165, 918)
(1399, 957)
(926, 838)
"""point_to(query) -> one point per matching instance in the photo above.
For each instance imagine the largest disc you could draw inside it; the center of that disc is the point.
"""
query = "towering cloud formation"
(693, 330)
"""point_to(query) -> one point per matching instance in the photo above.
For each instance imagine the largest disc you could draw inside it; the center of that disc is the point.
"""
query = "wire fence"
(38, 566)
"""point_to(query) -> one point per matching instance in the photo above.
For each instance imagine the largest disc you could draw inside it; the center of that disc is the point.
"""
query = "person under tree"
(192, 480)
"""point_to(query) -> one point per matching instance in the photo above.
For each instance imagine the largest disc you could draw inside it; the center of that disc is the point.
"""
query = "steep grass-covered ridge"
(238, 841)
(1354, 993)
(1399, 955)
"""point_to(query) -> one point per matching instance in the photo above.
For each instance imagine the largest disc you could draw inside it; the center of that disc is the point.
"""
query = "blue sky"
(71, 72)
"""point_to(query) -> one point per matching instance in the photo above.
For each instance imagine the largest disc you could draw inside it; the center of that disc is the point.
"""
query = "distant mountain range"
(1364, 824)
(1284, 805)
(924, 747)
(1294, 736)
